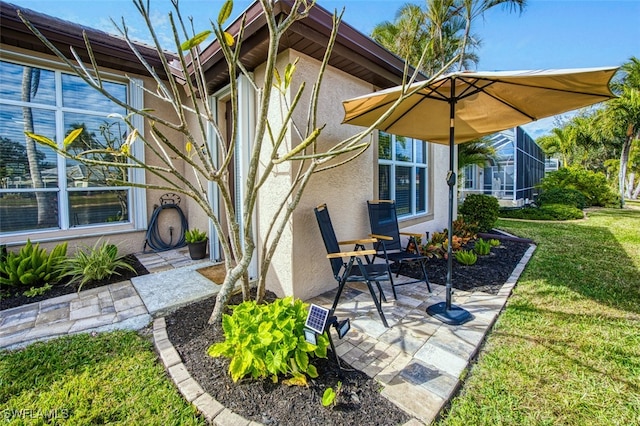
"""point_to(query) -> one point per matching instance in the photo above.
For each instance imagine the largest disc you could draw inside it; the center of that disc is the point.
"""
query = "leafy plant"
(482, 247)
(481, 209)
(432, 250)
(566, 196)
(466, 257)
(37, 291)
(96, 263)
(439, 237)
(329, 396)
(593, 185)
(32, 266)
(464, 229)
(494, 242)
(268, 340)
(456, 243)
(194, 236)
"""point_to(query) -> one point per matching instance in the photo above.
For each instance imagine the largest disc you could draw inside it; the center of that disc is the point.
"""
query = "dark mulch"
(13, 297)
(488, 274)
(359, 402)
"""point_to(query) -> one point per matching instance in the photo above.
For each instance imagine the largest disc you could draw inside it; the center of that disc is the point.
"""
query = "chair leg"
(377, 302)
(337, 298)
(393, 286)
(383, 298)
(424, 274)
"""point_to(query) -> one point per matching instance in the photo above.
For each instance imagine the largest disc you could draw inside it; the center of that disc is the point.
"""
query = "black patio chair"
(353, 270)
(384, 228)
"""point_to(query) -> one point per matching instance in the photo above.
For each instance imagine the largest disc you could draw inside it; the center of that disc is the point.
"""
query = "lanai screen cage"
(512, 179)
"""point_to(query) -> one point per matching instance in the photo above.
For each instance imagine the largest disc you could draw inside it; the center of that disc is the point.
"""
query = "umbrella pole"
(446, 311)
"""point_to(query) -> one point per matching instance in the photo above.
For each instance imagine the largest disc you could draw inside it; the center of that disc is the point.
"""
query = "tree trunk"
(624, 160)
(630, 181)
(32, 157)
(636, 192)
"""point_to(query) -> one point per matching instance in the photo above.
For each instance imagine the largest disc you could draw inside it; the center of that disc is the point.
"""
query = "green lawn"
(566, 351)
(109, 378)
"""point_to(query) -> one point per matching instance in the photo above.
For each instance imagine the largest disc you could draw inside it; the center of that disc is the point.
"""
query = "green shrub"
(482, 247)
(592, 185)
(546, 212)
(268, 340)
(32, 266)
(566, 196)
(494, 242)
(562, 212)
(466, 257)
(96, 263)
(480, 209)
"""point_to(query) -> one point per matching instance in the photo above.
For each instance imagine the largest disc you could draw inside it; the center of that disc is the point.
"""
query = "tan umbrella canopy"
(485, 102)
(463, 106)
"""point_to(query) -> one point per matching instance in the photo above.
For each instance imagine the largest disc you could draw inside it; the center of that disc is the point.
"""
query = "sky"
(547, 34)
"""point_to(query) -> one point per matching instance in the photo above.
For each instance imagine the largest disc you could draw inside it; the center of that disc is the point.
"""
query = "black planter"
(198, 250)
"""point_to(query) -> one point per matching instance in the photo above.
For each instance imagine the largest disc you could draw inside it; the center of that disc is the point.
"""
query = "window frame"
(136, 197)
(393, 163)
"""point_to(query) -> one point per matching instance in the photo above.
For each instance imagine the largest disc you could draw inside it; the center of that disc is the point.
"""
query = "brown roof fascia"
(366, 58)
(110, 51)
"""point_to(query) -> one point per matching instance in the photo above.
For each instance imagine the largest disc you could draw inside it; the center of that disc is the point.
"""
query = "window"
(470, 172)
(40, 190)
(402, 173)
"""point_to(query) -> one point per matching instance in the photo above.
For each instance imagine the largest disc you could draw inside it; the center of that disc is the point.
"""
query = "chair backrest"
(328, 236)
(384, 221)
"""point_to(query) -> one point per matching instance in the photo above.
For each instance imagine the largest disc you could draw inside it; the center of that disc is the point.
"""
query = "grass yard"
(109, 378)
(566, 351)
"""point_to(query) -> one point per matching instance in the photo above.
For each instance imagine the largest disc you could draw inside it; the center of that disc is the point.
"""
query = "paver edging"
(207, 406)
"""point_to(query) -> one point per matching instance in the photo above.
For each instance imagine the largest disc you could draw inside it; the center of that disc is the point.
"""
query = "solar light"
(342, 327)
(318, 321)
(317, 318)
(310, 336)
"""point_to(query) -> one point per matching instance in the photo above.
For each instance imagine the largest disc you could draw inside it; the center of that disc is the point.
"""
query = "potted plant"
(197, 243)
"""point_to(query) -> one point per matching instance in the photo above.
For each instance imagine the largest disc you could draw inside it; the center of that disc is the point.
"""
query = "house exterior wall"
(299, 266)
(129, 239)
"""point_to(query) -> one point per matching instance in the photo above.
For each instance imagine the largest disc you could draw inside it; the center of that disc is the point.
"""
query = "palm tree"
(621, 116)
(479, 152)
(442, 30)
(561, 142)
(405, 36)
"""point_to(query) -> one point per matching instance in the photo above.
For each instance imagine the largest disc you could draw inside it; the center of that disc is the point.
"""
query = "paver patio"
(417, 355)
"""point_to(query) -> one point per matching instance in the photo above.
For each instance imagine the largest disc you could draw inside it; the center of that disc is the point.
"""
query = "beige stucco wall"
(299, 266)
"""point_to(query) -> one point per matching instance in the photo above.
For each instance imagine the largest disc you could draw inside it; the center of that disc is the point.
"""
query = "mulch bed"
(358, 403)
(488, 274)
(13, 297)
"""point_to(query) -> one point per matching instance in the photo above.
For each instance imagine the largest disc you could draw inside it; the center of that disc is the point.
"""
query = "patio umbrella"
(463, 106)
